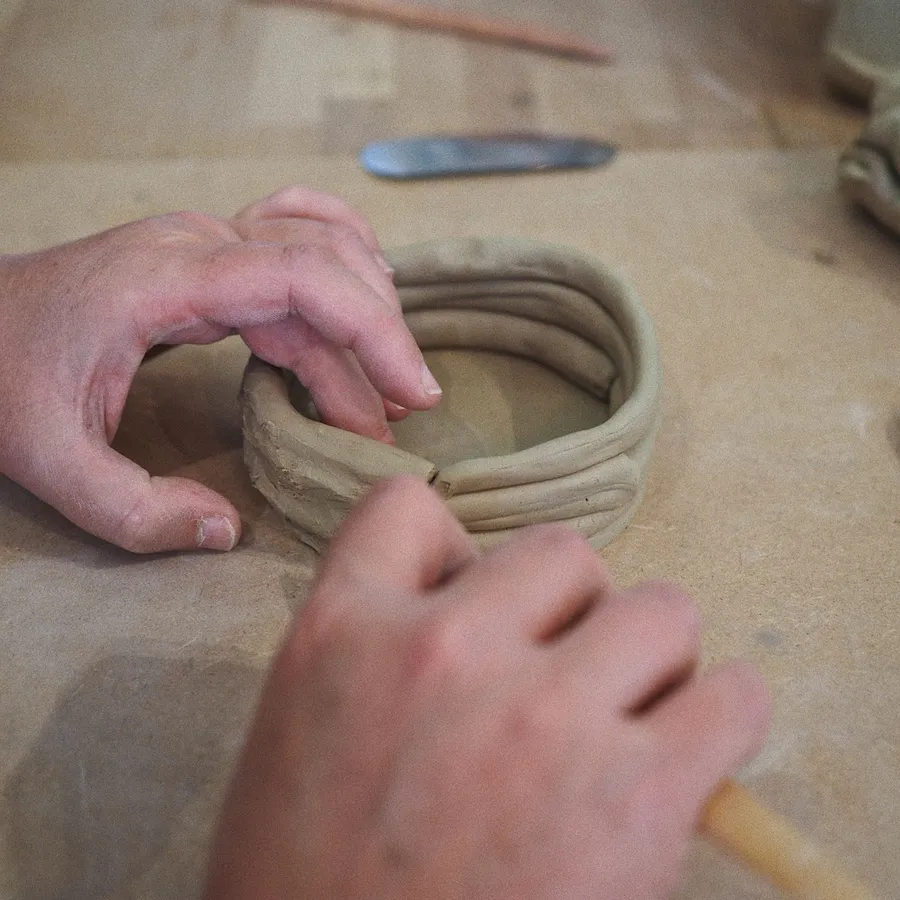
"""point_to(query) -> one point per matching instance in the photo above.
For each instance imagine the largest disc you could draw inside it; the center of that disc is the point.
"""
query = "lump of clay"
(553, 306)
(869, 169)
(862, 47)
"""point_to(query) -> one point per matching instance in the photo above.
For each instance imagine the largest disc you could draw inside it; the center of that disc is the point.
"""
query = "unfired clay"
(553, 305)
(862, 48)
(869, 169)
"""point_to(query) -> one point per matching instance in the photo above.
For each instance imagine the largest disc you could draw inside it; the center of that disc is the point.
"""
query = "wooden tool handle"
(774, 848)
(417, 15)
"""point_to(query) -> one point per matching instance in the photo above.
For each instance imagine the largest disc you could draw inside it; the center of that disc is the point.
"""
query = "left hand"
(299, 275)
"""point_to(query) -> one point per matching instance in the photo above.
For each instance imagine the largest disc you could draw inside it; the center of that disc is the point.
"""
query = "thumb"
(115, 499)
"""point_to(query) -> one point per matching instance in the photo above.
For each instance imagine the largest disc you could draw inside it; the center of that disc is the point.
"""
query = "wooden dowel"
(768, 844)
(470, 25)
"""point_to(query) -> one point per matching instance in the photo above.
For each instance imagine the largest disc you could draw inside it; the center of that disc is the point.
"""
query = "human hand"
(299, 275)
(499, 727)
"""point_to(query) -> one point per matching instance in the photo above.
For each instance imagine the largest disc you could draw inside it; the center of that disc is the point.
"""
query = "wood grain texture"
(160, 79)
(465, 24)
(8, 10)
(773, 497)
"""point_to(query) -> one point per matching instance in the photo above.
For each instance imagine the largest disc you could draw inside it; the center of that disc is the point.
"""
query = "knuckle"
(309, 198)
(440, 649)
(193, 221)
(565, 544)
(334, 210)
(346, 243)
(359, 225)
(303, 257)
(130, 531)
(190, 217)
(288, 192)
(341, 234)
(212, 263)
(291, 195)
(144, 231)
(560, 537)
(677, 607)
(537, 720)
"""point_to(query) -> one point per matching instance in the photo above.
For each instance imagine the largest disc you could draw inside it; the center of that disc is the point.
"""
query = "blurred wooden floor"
(150, 79)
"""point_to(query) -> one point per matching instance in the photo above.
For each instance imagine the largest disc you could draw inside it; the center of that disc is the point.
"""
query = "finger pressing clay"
(553, 307)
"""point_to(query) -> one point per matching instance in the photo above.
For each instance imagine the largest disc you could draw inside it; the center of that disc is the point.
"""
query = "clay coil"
(552, 305)
(869, 169)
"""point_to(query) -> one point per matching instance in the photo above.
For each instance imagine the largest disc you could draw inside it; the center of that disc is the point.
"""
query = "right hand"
(442, 724)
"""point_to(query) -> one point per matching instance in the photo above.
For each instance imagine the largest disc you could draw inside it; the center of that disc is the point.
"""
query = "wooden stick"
(470, 25)
(773, 847)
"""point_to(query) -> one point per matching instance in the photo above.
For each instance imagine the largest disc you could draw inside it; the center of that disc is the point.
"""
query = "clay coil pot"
(554, 306)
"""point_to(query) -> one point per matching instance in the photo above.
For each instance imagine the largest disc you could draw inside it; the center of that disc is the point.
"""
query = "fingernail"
(216, 533)
(429, 382)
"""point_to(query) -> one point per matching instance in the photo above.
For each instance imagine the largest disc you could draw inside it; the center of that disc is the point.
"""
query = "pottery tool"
(439, 156)
(771, 846)
(468, 25)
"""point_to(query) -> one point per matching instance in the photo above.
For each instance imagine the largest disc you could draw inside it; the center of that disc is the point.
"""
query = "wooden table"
(774, 497)
(155, 79)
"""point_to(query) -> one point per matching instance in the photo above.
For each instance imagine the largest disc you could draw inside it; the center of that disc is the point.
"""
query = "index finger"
(301, 202)
(402, 536)
(244, 285)
(537, 583)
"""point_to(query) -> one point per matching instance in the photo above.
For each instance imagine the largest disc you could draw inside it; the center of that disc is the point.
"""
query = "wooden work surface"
(774, 498)
(157, 79)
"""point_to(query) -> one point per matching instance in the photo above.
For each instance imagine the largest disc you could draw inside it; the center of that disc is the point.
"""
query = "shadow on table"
(134, 746)
(892, 433)
(799, 211)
